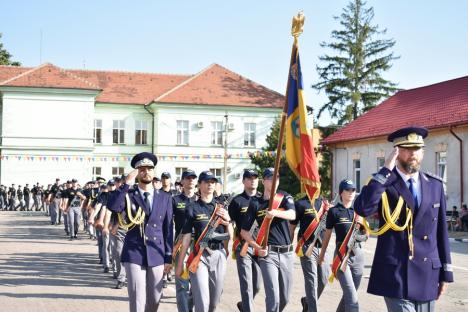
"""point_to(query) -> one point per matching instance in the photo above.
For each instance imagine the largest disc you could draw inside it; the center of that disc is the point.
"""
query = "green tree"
(326, 162)
(352, 77)
(288, 180)
(5, 56)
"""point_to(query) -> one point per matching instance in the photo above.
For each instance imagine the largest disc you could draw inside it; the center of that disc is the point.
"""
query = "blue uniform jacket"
(158, 228)
(394, 274)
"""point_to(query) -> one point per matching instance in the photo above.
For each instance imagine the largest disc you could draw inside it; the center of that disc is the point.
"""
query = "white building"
(84, 123)
(360, 148)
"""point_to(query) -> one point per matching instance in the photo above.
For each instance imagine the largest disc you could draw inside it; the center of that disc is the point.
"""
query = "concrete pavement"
(40, 270)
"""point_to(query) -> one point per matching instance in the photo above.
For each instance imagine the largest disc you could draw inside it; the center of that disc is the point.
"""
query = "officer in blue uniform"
(147, 250)
(410, 271)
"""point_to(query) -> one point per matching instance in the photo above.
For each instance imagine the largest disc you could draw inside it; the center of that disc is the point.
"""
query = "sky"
(251, 38)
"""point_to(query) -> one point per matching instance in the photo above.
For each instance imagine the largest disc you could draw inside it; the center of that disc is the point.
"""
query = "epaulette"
(433, 175)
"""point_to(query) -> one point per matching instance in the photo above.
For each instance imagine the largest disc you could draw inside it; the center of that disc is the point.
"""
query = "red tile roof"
(130, 87)
(49, 76)
(8, 72)
(435, 106)
(217, 85)
(214, 85)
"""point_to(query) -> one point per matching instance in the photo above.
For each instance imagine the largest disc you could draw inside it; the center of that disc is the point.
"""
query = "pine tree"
(5, 56)
(352, 78)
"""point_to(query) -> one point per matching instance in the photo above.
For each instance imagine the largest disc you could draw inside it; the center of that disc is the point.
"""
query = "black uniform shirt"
(341, 219)
(12, 192)
(179, 202)
(197, 216)
(54, 189)
(238, 208)
(73, 199)
(279, 228)
(20, 194)
(26, 191)
(102, 198)
(305, 214)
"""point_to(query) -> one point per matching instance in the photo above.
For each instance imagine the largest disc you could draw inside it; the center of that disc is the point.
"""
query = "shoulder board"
(434, 176)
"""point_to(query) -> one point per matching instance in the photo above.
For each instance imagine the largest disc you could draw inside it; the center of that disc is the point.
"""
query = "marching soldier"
(315, 275)
(179, 203)
(276, 262)
(36, 191)
(12, 197)
(19, 195)
(166, 182)
(412, 263)
(55, 203)
(147, 251)
(27, 194)
(73, 203)
(248, 269)
(208, 279)
(340, 218)
(117, 241)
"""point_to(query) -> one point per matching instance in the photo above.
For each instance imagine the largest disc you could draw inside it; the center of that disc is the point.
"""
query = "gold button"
(425, 237)
(154, 238)
(425, 259)
(411, 257)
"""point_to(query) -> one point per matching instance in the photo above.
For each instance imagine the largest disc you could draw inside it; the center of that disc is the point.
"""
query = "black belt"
(215, 245)
(280, 248)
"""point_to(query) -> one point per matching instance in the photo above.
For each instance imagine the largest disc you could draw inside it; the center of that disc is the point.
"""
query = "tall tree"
(352, 77)
(5, 56)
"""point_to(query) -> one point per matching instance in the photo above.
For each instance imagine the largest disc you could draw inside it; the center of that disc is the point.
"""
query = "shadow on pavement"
(53, 269)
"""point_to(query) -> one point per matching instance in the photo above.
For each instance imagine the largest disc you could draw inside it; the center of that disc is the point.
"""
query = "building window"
(117, 171)
(182, 132)
(118, 132)
(217, 133)
(96, 172)
(380, 162)
(249, 134)
(441, 158)
(178, 172)
(141, 132)
(357, 174)
(217, 172)
(97, 131)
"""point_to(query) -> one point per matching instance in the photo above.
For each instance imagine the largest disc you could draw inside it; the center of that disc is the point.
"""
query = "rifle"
(317, 228)
(208, 234)
(262, 231)
(254, 232)
(341, 258)
(177, 245)
(313, 231)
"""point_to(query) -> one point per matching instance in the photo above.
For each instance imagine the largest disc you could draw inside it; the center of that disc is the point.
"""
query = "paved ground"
(40, 270)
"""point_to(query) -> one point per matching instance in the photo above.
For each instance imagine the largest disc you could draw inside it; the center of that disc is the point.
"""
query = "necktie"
(413, 192)
(147, 202)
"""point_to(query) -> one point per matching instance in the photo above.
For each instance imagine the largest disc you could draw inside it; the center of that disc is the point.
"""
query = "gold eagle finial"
(297, 25)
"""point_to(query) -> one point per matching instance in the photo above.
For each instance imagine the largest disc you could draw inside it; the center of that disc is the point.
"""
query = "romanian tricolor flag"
(300, 152)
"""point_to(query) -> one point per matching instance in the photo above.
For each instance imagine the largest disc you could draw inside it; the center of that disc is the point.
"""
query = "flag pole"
(296, 30)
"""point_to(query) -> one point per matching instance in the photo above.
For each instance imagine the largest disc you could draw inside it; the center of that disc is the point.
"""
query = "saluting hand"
(130, 180)
(390, 162)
